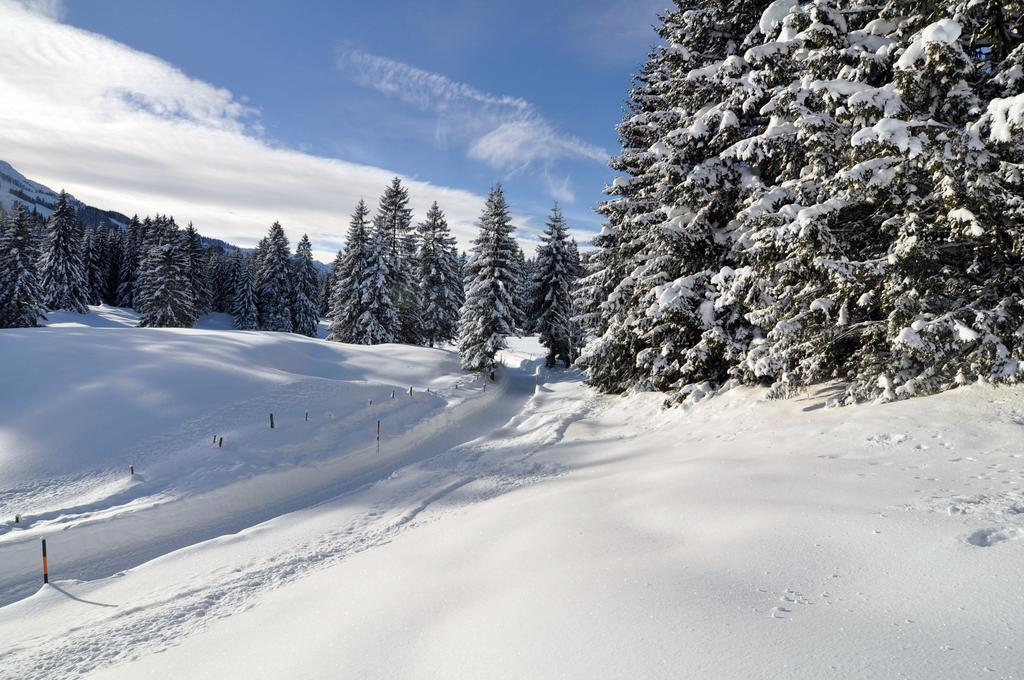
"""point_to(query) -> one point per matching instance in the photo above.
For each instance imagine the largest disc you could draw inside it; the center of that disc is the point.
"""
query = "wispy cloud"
(504, 132)
(50, 8)
(124, 130)
(560, 189)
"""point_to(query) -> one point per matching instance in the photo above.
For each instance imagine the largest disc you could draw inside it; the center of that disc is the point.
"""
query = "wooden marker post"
(17, 518)
(410, 390)
(307, 416)
(220, 443)
(392, 394)
(271, 421)
(46, 570)
(378, 437)
(131, 470)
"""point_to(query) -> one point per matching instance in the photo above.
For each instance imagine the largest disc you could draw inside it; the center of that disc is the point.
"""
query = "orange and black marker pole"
(46, 570)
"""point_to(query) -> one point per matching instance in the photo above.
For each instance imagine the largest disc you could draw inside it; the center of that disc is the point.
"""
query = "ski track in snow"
(445, 482)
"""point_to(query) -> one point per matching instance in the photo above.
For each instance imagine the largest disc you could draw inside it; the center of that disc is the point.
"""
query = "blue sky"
(455, 94)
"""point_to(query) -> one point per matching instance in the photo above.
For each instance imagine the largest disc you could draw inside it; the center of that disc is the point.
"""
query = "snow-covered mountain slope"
(81, 404)
(15, 187)
(539, 530)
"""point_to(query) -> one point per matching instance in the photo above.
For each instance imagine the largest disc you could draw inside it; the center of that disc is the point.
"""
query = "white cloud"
(560, 190)
(51, 8)
(126, 131)
(504, 132)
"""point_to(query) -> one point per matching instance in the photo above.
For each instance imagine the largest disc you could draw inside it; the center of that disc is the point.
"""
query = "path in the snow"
(479, 450)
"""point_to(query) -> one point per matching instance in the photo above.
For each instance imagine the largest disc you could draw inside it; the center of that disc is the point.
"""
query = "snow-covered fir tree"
(243, 304)
(197, 275)
(361, 308)
(489, 312)
(305, 291)
(273, 282)
(325, 283)
(394, 221)
(94, 262)
(438, 279)
(131, 253)
(554, 279)
(814, 191)
(21, 296)
(114, 257)
(347, 275)
(164, 295)
(62, 272)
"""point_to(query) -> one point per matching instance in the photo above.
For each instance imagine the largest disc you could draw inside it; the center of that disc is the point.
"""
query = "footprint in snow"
(986, 538)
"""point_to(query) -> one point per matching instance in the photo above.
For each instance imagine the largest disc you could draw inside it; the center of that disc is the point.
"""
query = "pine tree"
(197, 275)
(306, 301)
(20, 293)
(325, 283)
(164, 294)
(131, 254)
(438, 278)
(243, 305)
(94, 261)
(112, 268)
(273, 282)
(394, 221)
(553, 284)
(361, 309)
(489, 312)
(61, 269)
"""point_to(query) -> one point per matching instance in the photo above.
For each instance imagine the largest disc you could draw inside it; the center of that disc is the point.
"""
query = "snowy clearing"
(535, 529)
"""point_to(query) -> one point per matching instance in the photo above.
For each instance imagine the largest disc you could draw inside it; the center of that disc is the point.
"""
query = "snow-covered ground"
(530, 530)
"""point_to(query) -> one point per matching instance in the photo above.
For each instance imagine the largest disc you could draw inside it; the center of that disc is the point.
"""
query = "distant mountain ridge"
(16, 188)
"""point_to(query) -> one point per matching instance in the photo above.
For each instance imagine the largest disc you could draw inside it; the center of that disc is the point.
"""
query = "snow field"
(540, 530)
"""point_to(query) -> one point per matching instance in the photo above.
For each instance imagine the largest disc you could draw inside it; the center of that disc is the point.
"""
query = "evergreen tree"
(306, 302)
(61, 269)
(197, 275)
(361, 309)
(21, 296)
(813, 191)
(243, 306)
(273, 282)
(489, 312)
(131, 254)
(325, 283)
(112, 268)
(94, 262)
(438, 278)
(164, 294)
(553, 284)
(394, 221)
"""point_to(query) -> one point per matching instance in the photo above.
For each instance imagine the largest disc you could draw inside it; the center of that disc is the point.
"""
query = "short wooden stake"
(131, 470)
(220, 443)
(271, 421)
(17, 518)
(410, 390)
(46, 570)
(378, 437)
(392, 394)
(214, 439)
(307, 415)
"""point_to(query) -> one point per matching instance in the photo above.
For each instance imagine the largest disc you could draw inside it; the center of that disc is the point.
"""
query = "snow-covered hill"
(534, 529)
(15, 187)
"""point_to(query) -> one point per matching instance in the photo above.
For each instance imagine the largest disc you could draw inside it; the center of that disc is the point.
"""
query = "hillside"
(15, 187)
(535, 529)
